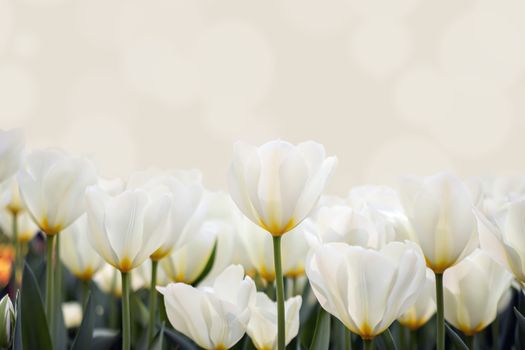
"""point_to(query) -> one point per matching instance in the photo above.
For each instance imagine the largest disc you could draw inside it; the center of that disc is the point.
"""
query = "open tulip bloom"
(276, 186)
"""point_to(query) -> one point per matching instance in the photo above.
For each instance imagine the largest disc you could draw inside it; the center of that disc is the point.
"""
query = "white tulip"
(142, 276)
(278, 184)
(340, 223)
(425, 306)
(7, 322)
(108, 280)
(216, 317)
(473, 289)
(127, 228)
(366, 289)
(186, 189)
(75, 251)
(72, 312)
(52, 186)
(262, 327)
(503, 237)
(186, 263)
(25, 225)
(257, 244)
(440, 211)
(12, 143)
(10, 196)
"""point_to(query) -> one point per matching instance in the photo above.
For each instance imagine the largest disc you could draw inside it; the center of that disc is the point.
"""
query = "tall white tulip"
(213, 317)
(440, 210)
(366, 289)
(473, 289)
(12, 143)
(424, 308)
(503, 237)
(76, 252)
(52, 186)
(26, 228)
(125, 230)
(276, 186)
(262, 327)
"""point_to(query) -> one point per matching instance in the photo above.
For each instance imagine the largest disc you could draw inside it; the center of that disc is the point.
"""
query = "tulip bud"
(7, 322)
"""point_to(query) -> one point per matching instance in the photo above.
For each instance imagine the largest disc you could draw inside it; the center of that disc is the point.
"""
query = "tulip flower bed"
(156, 261)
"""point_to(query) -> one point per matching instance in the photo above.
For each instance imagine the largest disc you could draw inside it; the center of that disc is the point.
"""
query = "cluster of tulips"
(272, 263)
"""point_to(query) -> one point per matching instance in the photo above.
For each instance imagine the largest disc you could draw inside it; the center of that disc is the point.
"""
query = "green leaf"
(208, 266)
(321, 339)
(85, 332)
(139, 312)
(17, 337)
(247, 344)
(179, 340)
(456, 339)
(158, 340)
(35, 332)
(520, 318)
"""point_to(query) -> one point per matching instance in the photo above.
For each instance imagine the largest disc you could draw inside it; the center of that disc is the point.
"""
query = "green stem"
(126, 322)
(368, 344)
(152, 300)
(280, 292)
(85, 292)
(469, 342)
(401, 337)
(50, 282)
(440, 321)
(348, 339)
(295, 287)
(495, 334)
(413, 339)
(16, 271)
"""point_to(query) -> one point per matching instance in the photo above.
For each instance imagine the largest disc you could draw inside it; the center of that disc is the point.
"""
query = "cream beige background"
(389, 86)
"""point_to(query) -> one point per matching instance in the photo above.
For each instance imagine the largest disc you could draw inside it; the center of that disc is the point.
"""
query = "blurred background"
(390, 87)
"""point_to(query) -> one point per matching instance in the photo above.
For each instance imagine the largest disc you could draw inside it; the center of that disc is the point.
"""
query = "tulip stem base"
(50, 284)
(126, 322)
(280, 292)
(18, 255)
(58, 284)
(440, 321)
(368, 344)
(152, 300)
(348, 339)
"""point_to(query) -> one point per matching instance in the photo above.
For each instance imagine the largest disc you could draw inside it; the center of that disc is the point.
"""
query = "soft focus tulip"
(278, 184)
(503, 237)
(216, 317)
(473, 289)
(142, 276)
(12, 143)
(76, 252)
(108, 280)
(340, 223)
(52, 186)
(10, 196)
(7, 322)
(127, 228)
(257, 244)
(186, 189)
(424, 308)
(72, 312)
(27, 229)
(440, 211)
(366, 289)
(262, 327)
(186, 263)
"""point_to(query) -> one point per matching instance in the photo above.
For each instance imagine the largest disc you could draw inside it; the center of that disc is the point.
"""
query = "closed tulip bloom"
(278, 184)
(262, 328)
(52, 186)
(503, 237)
(213, 317)
(72, 312)
(186, 189)
(186, 263)
(440, 211)
(366, 289)
(473, 289)
(12, 143)
(424, 308)
(258, 247)
(127, 228)
(7, 322)
(76, 252)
